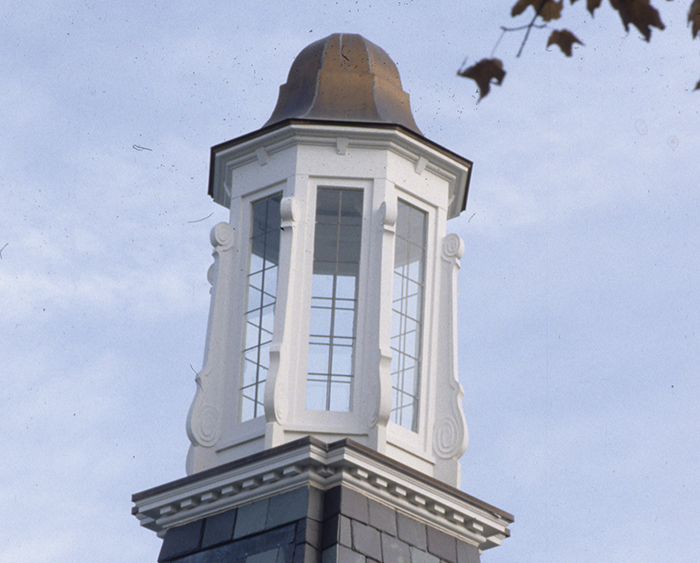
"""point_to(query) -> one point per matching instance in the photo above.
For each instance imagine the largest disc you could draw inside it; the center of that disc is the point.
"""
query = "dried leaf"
(592, 5)
(521, 6)
(565, 39)
(697, 86)
(549, 11)
(694, 17)
(485, 73)
(552, 10)
(640, 13)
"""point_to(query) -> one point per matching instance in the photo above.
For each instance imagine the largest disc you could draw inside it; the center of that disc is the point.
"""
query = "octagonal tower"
(331, 349)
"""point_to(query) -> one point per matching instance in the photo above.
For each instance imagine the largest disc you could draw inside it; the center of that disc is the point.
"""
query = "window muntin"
(334, 299)
(407, 314)
(260, 308)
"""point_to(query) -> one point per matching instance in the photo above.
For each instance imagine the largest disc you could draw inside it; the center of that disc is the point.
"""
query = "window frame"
(329, 379)
(258, 402)
(401, 319)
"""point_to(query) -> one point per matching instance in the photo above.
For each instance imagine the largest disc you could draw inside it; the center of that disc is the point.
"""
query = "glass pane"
(409, 380)
(412, 305)
(415, 266)
(351, 207)
(417, 229)
(348, 268)
(322, 285)
(259, 222)
(318, 358)
(250, 372)
(340, 396)
(326, 244)
(400, 252)
(268, 298)
(316, 395)
(320, 321)
(342, 360)
(254, 298)
(264, 361)
(268, 321)
(349, 244)
(256, 280)
(402, 226)
(344, 322)
(407, 316)
(345, 287)
(252, 336)
(262, 295)
(338, 233)
(327, 204)
(273, 215)
(247, 408)
(253, 355)
(256, 264)
(270, 281)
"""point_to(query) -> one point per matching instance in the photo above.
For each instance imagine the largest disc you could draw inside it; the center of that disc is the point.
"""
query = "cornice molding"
(311, 462)
(424, 154)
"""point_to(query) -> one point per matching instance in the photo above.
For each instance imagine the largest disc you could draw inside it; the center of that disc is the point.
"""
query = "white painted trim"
(315, 464)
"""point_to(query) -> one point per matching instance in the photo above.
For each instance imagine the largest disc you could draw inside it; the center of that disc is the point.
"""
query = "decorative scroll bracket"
(204, 421)
(450, 431)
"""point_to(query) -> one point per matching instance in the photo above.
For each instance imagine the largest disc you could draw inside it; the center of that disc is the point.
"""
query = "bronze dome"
(344, 77)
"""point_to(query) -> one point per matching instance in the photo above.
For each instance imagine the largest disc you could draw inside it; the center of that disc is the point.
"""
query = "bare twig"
(200, 220)
(3, 248)
(526, 27)
(503, 32)
(530, 26)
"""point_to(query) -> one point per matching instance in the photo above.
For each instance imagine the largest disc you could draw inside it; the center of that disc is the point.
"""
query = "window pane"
(343, 322)
(270, 281)
(254, 298)
(321, 320)
(256, 264)
(407, 314)
(334, 299)
(345, 287)
(351, 207)
(256, 280)
(268, 319)
(247, 408)
(262, 295)
(322, 285)
(316, 395)
(250, 372)
(342, 360)
(340, 396)
(318, 359)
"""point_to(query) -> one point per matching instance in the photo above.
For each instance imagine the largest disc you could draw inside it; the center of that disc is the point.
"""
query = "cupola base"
(311, 502)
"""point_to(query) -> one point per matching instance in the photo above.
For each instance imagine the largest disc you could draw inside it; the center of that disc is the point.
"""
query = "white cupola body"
(333, 310)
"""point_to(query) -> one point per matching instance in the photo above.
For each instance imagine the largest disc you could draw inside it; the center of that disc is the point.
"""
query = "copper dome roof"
(344, 77)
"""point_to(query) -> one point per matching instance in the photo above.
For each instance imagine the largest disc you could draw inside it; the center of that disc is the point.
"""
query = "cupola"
(334, 285)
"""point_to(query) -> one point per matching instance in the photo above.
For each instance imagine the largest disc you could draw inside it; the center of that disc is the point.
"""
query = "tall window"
(407, 314)
(334, 299)
(260, 310)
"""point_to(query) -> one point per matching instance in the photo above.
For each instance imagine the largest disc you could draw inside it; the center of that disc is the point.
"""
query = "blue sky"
(579, 309)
